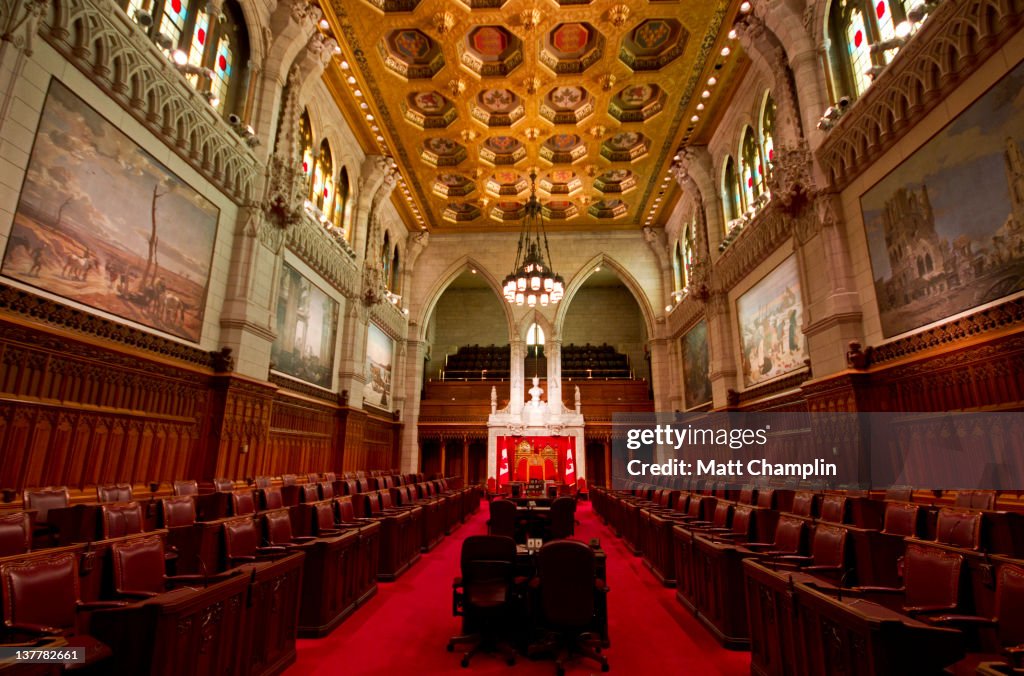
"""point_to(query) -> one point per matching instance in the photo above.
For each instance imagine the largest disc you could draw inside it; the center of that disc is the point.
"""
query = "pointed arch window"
(341, 204)
(534, 335)
(731, 203)
(385, 259)
(767, 139)
(323, 183)
(306, 144)
(677, 267)
(195, 39)
(750, 168)
(395, 281)
(852, 27)
(688, 245)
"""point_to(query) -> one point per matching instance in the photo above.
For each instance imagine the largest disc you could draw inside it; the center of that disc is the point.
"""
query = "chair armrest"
(764, 546)
(300, 539)
(880, 590)
(821, 569)
(794, 559)
(201, 579)
(40, 629)
(975, 620)
(271, 549)
(923, 610)
(137, 595)
(99, 605)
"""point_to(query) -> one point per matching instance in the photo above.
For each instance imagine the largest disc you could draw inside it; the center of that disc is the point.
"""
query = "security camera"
(234, 120)
(143, 18)
(162, 41)
(843, 103)
(252, 141)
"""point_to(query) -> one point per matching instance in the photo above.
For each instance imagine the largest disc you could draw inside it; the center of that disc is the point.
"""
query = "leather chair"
(178, 511)
(563, 518)
(959, 528)
(566, 586)
(288, 479)
(261, 482)
(899, 493)
(309, 493)
(114, 493)
(242, 543)
(902, 519)
(719, 521)
(271, 498)
(742, 527)
(15, 533)
(120, 519)
(242, 503)
(222, 485)
(789, 538)
(805, 503)
(1001, 637)
(828, 553)
(484, 595)
(834, 508)
(42, 500)
(189, 487)
(503, 518)
(931, 580)
(326, 489)
(277, 528)
(748, 496)
(140, 572)
(324, 520)
(312, 477)
(976, 499)
(330, 477)
(582, 492)
(42, 600)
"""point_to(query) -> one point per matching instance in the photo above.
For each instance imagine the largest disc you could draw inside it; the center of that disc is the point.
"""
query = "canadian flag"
(503, 468)
(570, 468)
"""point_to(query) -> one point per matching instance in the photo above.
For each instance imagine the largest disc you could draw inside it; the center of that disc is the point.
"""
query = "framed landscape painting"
(380, 350)
(696, 364)
(770, 316)
(307, 320)
(945, 229)
(101, 222)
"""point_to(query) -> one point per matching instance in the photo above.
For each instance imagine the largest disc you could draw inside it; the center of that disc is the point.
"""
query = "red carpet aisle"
(406, 626)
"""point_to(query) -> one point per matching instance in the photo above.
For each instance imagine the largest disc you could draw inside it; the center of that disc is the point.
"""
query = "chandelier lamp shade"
(533, 281)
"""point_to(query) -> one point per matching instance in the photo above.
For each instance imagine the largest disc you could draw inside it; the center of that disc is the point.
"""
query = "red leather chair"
(242, 503)
(42, 599)
(179, 511)
(1001, 637)
(189, 487)
(312, 477)
(899, 493)
(326, 489)
(346, 510)
(902, 518)
(742, 527)
(719, 521)
(42, 500)
(503, 518)
(789, 538)
(834, 508)
(15, 533)
(120, 519)
(262, 482)
(828, 553)
(242, 543)
(114, 493)
(140, 570)
(309, 493)
(959, 528)
(271, 498)
(324, 521)
(931, 580)
(330, 477)
(976, 499)
(563, 518)
(288, 479)
(222, 485)
(805, 503)
(748, 495)
(277, 527)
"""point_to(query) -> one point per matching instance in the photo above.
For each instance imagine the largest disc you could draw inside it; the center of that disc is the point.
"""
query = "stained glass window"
(767, 140)
(341, 202)
(173, 23)
(322, 177)
(859, 51)
(730, 192)
(222, 65)
(750, 165)
(688, 249)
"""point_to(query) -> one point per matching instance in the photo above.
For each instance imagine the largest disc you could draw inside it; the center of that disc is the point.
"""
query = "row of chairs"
(922, 561)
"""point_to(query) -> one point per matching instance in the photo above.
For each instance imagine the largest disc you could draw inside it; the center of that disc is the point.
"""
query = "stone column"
(465, 460)
(553, 352)
(723, 364)
(517, 375)
(414, 352)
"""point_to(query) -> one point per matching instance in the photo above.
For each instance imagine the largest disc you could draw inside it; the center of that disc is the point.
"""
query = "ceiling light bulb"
(726, 51)
(712, 81)
(369, 118)
(344, 65)
(732, 34)
(705, 94)
(180, 57)
(668, 308)
(903, 29)
(351, 79)
(358, 92)
(745, 7)
(695, 118)
(324, 25)
(700, 106)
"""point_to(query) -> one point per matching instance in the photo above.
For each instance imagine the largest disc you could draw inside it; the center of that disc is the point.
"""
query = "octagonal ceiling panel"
(595, 96)
(411, 53)
(507, 183)
(428, 110)
(637, 102)
(571, 47)
(491, 51)
(442, 152)
(559, 182)
(626, 146)
(449, 185)
(502, 150)
(615, 181)
(654, 43)
(563, 149)
(498, 107)
(559, 210)
(567, 104)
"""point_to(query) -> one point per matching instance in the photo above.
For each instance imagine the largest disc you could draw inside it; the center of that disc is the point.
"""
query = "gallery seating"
(15, 533)
(120, 519)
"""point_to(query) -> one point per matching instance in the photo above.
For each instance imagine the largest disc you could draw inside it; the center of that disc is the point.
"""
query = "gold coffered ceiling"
(470, 96)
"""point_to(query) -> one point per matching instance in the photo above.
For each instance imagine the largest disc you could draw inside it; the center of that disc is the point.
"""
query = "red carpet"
(405, 627)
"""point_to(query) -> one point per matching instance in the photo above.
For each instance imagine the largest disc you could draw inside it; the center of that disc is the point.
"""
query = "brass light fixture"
(533, 282)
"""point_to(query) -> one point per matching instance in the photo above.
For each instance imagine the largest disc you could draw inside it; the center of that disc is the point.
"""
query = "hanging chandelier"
(532, 281)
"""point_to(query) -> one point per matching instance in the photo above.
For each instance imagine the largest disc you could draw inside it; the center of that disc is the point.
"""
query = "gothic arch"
(444, 281)
(623, 274)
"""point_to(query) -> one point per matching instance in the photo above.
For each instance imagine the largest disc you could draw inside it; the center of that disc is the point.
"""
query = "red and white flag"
(503, 468)
(570, 468)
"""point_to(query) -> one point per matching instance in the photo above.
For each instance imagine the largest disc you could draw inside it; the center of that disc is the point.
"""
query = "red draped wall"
(506, 453)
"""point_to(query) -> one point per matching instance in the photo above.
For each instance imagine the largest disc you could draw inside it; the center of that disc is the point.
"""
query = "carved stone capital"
(790, 180)
(20, 20)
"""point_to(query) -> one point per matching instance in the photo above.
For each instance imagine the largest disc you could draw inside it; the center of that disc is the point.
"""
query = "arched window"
(750, 168)
(730, 192)
(534, 335)
(852, 27)
(212, 50)
(677, 266)
(395, 282)
(767, 138)
(688, 244)
(341, 206)
(323, 183)
(306, 143)
(385, 259)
